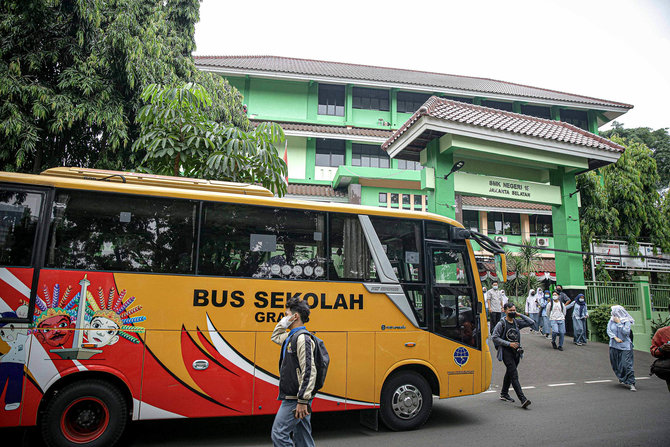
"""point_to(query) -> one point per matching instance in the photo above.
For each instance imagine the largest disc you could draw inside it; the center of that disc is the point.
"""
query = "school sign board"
(614, 255)
(505, 188)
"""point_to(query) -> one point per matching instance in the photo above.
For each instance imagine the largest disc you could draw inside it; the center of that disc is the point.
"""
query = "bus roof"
(160, 180)
(196, 189)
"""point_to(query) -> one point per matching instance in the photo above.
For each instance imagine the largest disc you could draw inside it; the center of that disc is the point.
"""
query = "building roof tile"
(300, 189)
(332, 130)
(480, 116)
(465, 85)
(502, 203)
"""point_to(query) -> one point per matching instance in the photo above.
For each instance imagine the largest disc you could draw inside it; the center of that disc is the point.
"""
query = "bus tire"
(88, 413)
(406, 401)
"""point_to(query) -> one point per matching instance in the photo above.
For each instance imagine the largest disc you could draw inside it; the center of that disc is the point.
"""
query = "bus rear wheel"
(406, 401)
(88, 413)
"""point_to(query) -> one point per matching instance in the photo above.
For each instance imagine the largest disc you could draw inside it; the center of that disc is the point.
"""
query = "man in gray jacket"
(507, 340)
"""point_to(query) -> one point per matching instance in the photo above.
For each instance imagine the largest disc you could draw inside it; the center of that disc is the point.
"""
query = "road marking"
(489, 391)
(598, 381)
(527, 387)
(642, 378)
(561, 384)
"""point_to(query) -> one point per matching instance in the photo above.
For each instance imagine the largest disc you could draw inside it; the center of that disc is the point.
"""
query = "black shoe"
(560, 348)
(506, 398)
(525, 403)
(553, 343)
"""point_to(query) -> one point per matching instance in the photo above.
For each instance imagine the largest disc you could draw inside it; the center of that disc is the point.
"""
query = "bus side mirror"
(501, 267)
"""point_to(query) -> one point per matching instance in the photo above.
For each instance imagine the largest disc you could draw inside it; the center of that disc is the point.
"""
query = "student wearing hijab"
(620, 330)
(531, 308)
(579, 315)
(546, 328)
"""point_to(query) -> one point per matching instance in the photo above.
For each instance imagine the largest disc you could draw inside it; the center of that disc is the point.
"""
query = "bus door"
(22, 220)
(455, 314)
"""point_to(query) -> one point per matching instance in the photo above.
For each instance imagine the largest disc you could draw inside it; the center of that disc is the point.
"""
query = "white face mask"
(555, 298)
(495, 287)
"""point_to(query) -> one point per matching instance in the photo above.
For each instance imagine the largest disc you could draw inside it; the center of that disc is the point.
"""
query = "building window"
(409, 102)
(406, 202)
(458, 99)
(418, 202)
(471, 220)
(577, 118)
(504, 223)
(507, 106)
(369, 156)
(329, 152)
(331, 100)
(409, 165)
(370, 99)
(537, 111)
(394, 200)
(383, 197)
(540, 225)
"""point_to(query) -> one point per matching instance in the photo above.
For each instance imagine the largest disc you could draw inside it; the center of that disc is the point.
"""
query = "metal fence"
(623, 293)
(660, 296)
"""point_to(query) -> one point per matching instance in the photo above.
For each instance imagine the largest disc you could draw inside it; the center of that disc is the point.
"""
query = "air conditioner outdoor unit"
(500, 238)
(542, 241)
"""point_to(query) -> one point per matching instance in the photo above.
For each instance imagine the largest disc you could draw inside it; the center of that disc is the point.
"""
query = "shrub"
(599, 317)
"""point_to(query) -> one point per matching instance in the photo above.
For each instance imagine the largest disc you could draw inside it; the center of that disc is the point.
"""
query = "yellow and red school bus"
(126, 296)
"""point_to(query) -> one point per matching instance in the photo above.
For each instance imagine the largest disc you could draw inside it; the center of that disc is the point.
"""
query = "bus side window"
(402, 241)
(349, 253)
(19, 216)
(262, 242)
(122, 232)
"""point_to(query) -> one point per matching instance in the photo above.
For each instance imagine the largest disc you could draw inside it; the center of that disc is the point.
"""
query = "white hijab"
(624, 316)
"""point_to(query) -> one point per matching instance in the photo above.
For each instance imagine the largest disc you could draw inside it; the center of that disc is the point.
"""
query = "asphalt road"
(577, 401)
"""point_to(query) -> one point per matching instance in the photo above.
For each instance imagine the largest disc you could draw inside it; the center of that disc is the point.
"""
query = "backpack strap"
(294, 340)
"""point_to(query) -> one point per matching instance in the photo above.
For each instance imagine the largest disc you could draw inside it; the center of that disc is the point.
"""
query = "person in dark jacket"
(296, 391)
(507, 340)
(660, 345)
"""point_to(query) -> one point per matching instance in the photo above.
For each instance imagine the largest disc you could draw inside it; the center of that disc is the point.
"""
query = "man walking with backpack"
(507, 340)
(296, 391)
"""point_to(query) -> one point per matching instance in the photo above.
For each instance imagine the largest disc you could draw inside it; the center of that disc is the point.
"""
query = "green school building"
(390, 137)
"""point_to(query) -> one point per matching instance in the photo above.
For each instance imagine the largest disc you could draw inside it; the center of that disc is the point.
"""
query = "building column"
(312, 101)
(483, 222)
(441, 198)
(349, 104)
(347, 153)
(310, 158)
(567, 234)
(525, 228)
(394, 109)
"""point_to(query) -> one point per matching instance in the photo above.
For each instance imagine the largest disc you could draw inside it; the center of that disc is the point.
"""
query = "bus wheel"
(406, 401)
(90, 413)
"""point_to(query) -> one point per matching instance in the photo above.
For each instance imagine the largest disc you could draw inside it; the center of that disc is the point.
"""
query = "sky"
(610, 49)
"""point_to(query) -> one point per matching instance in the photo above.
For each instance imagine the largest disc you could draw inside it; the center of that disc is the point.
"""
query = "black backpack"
(661, 368)
(321, 357)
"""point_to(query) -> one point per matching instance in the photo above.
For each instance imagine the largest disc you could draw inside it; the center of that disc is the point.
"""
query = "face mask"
(511, 314)
(581, 300)
(495, 287)
(555, 297)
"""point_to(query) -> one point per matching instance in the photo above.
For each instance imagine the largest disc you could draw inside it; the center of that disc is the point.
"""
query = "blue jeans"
(558, 328)
(579, 327)
(285, 423)
(536, 318)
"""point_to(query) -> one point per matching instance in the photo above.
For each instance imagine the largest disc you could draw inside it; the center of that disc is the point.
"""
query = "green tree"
(622, 202)
(72, 72)
(657, 140)
(179, 138)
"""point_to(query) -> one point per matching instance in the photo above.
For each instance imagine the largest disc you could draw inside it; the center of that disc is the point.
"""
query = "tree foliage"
(179, 138)
(657, 140)
(72, 72)
(626, 205)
